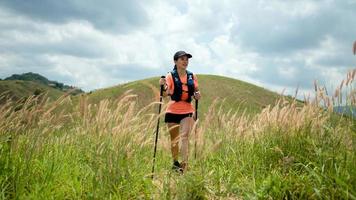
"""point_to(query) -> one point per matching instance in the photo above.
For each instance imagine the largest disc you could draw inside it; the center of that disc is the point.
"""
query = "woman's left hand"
(197, 95)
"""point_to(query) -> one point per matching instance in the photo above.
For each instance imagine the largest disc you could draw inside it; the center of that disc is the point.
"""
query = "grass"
(104, 151)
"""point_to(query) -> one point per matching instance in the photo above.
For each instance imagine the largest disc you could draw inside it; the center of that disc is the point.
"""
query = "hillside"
(21, 86)
(43, 80)
(232, 94)
(17, 89)
(30, 77)
(235, 93)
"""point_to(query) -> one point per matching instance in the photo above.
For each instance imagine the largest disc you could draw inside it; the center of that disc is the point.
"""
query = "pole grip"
(161, 92)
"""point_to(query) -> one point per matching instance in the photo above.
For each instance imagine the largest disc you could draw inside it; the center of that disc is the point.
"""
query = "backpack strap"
(178, 90)
(178, 86)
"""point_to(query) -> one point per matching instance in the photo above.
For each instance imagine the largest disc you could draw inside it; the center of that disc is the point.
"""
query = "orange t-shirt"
(180, 107)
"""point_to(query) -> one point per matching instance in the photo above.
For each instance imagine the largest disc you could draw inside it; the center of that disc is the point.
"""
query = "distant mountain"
(30, 77)
(346, 110)
(20, 90)
(21, 86)
(43, 80)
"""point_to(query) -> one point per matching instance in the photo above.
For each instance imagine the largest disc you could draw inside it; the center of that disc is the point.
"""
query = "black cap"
(180, 54)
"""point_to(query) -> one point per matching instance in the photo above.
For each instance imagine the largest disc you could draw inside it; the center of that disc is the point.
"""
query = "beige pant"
(183, 130)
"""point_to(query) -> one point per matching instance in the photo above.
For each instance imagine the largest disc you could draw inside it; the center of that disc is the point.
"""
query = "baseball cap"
(180, 54)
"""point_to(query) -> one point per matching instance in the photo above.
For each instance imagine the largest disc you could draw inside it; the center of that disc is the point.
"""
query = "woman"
(180, 85)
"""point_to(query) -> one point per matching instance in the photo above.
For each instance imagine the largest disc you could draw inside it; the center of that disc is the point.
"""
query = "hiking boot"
(177, 167)
(184, 166)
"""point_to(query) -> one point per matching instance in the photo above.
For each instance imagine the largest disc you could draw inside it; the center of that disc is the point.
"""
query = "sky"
(277, 44)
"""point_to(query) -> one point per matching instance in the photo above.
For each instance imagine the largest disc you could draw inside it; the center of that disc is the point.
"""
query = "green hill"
(231, 93)
(18, 89)
(24, 85)
(43, 80)
(235, 93)
(30, 77)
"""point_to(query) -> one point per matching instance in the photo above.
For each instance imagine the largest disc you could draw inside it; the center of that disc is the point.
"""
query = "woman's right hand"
(162, 81)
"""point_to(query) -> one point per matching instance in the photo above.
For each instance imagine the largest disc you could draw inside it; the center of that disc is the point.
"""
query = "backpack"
(178, 86)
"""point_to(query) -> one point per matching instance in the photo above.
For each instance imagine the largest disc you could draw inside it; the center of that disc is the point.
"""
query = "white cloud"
(275, 44)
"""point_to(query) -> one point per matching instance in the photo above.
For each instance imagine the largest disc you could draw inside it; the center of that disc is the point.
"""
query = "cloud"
(280, 27)
(90, 44)
(113, 15)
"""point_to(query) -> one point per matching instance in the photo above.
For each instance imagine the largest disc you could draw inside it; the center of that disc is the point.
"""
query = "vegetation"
(22, 86)
(21, 90)
(104, 150)
(44, 81)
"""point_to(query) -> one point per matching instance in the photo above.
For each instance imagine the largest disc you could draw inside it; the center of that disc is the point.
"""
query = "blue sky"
(94, 44)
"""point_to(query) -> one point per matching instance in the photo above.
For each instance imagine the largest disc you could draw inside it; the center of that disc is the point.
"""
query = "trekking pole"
(196, 118)
(157, 128)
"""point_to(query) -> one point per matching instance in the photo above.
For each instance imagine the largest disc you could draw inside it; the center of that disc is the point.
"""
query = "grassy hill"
(30, 77)
(232, 93)
(18, 89)
(19, 86)
(43, 80)
(235, 93)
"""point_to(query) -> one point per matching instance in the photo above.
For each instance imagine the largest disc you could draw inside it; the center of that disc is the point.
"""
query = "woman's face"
(182, 62)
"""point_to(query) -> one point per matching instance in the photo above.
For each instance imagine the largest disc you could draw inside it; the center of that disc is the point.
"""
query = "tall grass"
(104, 151)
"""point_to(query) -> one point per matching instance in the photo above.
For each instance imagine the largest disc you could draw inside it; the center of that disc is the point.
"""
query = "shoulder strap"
(177, 92)
(189, 73)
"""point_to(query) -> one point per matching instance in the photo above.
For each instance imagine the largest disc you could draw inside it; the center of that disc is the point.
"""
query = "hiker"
(182, 86)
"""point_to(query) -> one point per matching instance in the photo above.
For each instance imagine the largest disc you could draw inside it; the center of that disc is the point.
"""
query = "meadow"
(104, 150)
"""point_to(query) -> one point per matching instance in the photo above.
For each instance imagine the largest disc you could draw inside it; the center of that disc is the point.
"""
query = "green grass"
(248, 169)
(105, 152)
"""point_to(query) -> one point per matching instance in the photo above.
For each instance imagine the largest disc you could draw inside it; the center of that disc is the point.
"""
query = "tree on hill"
(30, 76)
(37, 92)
